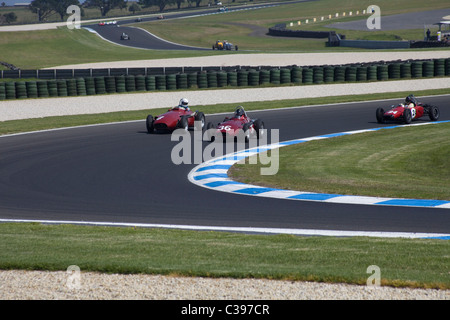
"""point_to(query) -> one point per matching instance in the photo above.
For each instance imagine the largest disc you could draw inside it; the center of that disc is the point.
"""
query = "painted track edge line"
(206, 176)
(257, 230)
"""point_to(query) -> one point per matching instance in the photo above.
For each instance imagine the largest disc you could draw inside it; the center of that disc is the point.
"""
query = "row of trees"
(46, 8)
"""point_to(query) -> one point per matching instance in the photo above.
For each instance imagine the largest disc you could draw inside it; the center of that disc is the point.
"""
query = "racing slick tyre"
(149, 124)
(199, 116)
(259, 127)
(209, 134)
(183, 124)
(433, 113)
(246, 130)
(379, 114)
(407, 116)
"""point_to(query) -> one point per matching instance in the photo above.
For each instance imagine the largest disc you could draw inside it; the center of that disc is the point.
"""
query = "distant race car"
(407, 112)
(223, 45)
(124, 36)
(175, 118)
(107, 23)
(239, 124)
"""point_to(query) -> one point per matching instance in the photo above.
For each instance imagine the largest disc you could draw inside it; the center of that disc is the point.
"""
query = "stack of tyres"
(52, 86)
(328, 74)
(222, 79)
(350, 74)
(171, 82)
(339, 74)
(62, 88)
(372, 73)
(405, 70)
(72, 87)
(428, 69)
(296, 75)
(264, 77)
(120, 84)
(439, 67)
(242, 78)
(447, 67)
(150, 83)
(110, 84)
(417, 69)
(42, 89)
(285, 76)
(361, 73)
(100, 86)
(308, 74)
(382, 72)
(211, 77)
(21, 90)
(253, 77)
(81, 86)
(90, 86)
(202, 80)
(318, 75)
(394, 70)
(182, 81)
(10, 90)
(2, 91)
(275, 76)
(160, 82)
(140, 83)
(192, 80)
(130, 83)
(232, 78)
(32, 91)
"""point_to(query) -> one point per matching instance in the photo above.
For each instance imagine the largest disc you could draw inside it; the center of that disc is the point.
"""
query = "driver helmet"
(410, 99)
(239, 112)
(184, 103)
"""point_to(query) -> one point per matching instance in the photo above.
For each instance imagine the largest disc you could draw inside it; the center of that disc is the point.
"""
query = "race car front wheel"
(407, 116)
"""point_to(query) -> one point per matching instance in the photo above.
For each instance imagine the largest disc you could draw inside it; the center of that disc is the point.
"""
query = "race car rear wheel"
(246, 130)
(407, 116)
(149, 124)
(380, 115)
(259, 127)
(433, 113)
(183, 124)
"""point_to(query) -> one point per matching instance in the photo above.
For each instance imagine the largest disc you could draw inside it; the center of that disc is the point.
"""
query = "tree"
(60, 6)
(43, 8)
(8, 18)
(106, 5)
(197, 2)
(161, 4)
(134, 7)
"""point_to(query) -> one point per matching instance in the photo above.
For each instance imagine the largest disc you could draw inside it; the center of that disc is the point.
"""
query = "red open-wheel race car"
(239, 124)
(408, 111)
(179, 117)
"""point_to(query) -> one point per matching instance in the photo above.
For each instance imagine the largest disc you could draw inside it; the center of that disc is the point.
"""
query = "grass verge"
(408, 162)
(417, 263)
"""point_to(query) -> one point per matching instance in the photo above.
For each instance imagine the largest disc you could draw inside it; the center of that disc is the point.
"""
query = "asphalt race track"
(139, 38)
(119, 173)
